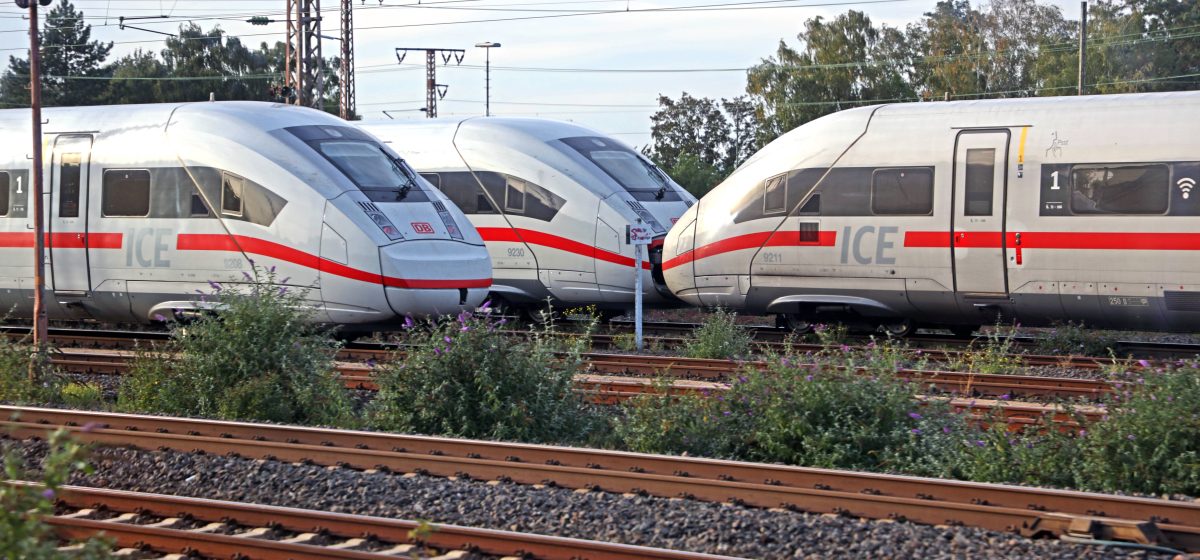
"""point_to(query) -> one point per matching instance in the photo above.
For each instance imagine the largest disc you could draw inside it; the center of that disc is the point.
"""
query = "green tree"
(73, 69)
(136, 78)
(842, 62)
(691, 125)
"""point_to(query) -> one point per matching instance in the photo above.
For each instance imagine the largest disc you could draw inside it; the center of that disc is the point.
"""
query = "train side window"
(980, 182)
(68, 185)
(4, 185)
(199, 208)
(126, 192)
(1125, 189)
(231, 194)
(902, 191)
(434, 179)
(812, 207)
(775, 194)
(514, 196)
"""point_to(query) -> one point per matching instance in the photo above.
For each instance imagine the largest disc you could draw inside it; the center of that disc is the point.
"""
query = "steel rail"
(359, 375)
(1029, 511)
(356, 530)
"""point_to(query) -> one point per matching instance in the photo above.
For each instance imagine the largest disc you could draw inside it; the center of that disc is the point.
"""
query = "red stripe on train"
(534, 237)
(63, 240)
(751, 241)
(1117, 241)
(240, 243)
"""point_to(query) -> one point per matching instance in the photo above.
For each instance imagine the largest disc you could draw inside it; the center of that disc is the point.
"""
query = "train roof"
(544, 130)
(1057, 103)
(102, 118)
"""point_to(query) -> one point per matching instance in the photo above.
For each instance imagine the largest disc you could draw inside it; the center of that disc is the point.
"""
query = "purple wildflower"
(272, 269)
(785, 362)
(1082, 432)
(437, 351)
(48, 494)
(371, 362)
(464, 328)
(447, 339)
(502, 321)
(247, 276)
(215, 286)
(945, 429)
(408, 322)
(980, 443)
(1131, 438)
(1144, 363)
(282, 290)
(486, 305)
(285, 280)
(726, 413)
(742, 378)
(158, 317)
(1005, 397)
(915, 431)
(808, 377)
(90, 426)
(914, 415)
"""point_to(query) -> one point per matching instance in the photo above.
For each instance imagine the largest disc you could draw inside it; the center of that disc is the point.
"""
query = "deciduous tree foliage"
(73, 65)
(958, 50)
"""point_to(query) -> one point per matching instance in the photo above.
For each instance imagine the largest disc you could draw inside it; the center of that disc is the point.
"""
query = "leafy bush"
(1075, 339)
(257, 358)
(82, 395)
(15, 384)
(23, 508)
(467, 378)
(719, 337)
(821, 416)
(1150, 439)
(994, 357)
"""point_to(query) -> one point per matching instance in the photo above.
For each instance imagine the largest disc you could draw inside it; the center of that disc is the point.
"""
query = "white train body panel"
(553, 218)
(148, 204)
(1036, 210)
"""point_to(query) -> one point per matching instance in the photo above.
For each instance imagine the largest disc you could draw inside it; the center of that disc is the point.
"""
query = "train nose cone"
(435, 277)
(677, 258)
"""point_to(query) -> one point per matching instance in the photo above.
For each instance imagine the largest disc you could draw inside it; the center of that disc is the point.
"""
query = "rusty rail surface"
(212, 528)
(1028, 511)
(768, 339)
(358, 374)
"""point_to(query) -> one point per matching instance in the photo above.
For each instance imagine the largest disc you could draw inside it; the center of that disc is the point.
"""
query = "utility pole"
(487, 75)
(35, 190)
(346, 108)
(303, 62)
(433, 90)
(1082, 43)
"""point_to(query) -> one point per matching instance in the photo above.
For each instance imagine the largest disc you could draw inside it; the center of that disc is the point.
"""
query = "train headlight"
(385, 225)
(448, 220)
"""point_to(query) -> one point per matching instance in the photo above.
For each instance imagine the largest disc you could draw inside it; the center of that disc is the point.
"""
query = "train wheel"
(796, 323)
(899, 328)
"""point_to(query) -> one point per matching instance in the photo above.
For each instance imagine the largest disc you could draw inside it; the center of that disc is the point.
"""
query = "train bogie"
(150, 208)
(964, 213)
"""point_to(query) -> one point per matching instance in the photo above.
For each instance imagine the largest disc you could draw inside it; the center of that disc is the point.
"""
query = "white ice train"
(146, 204)
(960, 214)
(552, 200)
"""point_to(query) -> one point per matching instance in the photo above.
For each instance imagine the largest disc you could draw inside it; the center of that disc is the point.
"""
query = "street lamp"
(487, 73)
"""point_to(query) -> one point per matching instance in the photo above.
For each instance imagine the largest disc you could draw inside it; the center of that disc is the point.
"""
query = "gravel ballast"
(647, 521)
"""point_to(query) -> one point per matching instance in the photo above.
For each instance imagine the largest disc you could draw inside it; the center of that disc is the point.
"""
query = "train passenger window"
(514, 196)
(68, 186)
(981, 178)
(4, 184)
(231, 194)
(902, 191)
(464, 191)
(199, 208)
(812, 207)
(775, 194)
(126, 192)
(433, 178)
(1125, 189)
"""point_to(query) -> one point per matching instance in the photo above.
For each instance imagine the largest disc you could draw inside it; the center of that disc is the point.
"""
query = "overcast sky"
(717, 43)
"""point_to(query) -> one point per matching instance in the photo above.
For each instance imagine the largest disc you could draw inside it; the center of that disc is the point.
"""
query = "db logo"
(422, 227)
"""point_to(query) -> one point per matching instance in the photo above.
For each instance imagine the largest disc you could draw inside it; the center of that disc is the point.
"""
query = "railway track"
(1031, 512)
(220, 529)
(358, 373)
(84, 338)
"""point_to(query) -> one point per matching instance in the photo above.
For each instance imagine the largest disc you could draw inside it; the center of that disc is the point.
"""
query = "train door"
(980, 182)
(68, 214)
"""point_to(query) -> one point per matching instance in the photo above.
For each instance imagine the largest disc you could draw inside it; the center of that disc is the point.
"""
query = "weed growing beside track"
(23, 508)
(719, 337)
(466, 378)
(256, 359)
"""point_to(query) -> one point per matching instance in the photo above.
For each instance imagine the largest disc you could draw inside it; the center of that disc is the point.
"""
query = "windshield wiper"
(403, 192)
(660, 193)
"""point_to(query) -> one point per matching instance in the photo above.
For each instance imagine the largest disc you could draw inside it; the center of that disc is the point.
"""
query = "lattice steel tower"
(304, 65)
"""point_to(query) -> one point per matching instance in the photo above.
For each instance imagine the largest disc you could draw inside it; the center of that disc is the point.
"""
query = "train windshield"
(379, 174)
(634, 173)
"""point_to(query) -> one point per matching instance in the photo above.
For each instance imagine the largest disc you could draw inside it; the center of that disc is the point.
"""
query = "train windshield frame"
(636, 175)
(380, 175)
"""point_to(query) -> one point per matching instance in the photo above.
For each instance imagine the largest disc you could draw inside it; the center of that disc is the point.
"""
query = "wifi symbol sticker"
(1186, 185)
